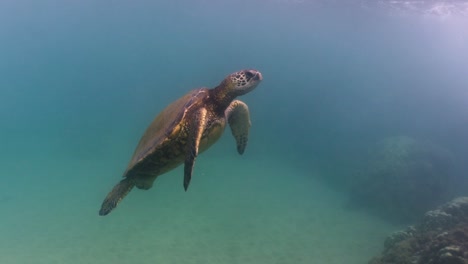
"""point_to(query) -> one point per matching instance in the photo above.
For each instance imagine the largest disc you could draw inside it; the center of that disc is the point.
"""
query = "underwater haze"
(81, 80)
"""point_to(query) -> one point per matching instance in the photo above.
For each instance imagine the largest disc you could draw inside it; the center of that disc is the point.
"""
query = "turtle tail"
(115, 196)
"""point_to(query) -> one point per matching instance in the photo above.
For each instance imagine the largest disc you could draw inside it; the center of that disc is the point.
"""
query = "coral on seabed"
(440, 238)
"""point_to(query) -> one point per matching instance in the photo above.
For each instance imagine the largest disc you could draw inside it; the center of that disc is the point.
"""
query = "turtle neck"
(222, 96)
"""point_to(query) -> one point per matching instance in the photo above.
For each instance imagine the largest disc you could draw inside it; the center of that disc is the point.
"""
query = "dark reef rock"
(440, 238)
(403, 178)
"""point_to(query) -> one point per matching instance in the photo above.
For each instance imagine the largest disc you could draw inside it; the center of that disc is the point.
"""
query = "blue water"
(81, 80)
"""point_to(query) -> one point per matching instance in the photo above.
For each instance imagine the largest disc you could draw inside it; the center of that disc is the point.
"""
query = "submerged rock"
(402, 178)
(399, 236)
(440, 238)
(445, 216)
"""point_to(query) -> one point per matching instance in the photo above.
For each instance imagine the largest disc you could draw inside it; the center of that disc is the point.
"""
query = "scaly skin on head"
(235, 84)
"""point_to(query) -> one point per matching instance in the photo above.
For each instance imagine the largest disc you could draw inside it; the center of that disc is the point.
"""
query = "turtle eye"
(249, 75)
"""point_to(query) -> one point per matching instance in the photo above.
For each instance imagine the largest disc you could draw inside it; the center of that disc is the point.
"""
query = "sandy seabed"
(237, 210)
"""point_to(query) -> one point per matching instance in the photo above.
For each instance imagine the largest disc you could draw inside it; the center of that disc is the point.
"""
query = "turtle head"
(242, 82)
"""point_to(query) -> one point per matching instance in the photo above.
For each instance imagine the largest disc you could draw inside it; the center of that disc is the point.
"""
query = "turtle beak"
(258, 76)
(253, 75)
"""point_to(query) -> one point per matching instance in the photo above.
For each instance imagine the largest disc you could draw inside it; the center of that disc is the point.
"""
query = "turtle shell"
(164, 124)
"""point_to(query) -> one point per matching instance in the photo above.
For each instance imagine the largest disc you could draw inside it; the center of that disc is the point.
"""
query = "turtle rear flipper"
(239, 120)
(115, 196)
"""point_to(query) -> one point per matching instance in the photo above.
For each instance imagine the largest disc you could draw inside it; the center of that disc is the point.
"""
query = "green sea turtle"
(184, 129)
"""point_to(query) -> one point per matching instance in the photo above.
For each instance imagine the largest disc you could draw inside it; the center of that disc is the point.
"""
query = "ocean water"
(81, 80)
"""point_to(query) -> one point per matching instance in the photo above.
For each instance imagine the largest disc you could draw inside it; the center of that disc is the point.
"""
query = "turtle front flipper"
(195, 132)
(238, 117)
(116, 195)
